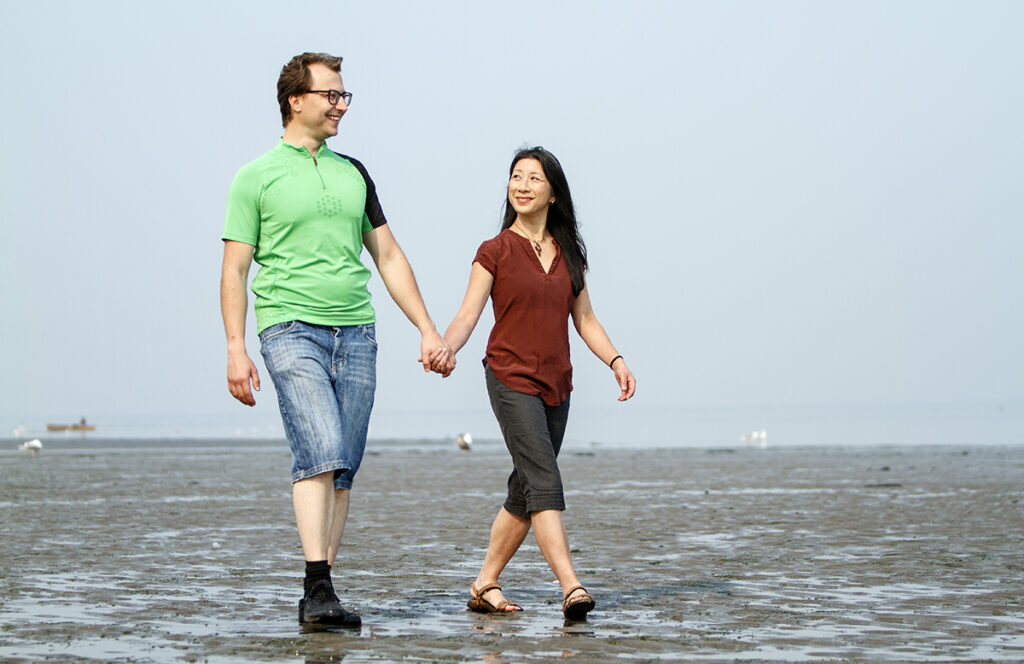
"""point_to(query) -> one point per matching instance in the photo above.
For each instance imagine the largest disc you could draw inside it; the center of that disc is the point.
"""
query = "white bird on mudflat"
(464, 440)
(31, 446)
(759, 438)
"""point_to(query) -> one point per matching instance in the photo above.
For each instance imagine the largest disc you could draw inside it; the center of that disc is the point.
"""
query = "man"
(304, 213)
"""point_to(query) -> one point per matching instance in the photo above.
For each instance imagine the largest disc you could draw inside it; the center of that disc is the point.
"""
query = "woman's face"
(529, 191)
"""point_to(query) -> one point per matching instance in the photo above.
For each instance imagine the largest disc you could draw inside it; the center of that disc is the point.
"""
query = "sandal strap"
(480, 592)
(574, 589)
(478, 595)
(502, 605)
(566, 603)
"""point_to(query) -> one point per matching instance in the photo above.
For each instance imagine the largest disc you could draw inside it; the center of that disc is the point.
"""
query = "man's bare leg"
(337, 524)
(314, 501)
(320, 513)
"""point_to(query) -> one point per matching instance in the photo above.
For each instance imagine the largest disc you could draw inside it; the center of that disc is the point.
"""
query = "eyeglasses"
(333, 96)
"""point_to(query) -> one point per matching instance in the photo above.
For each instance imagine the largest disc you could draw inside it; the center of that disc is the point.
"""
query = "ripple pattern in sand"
(190, 554)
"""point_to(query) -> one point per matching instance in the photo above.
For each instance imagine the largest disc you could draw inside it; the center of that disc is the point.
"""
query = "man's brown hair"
(295, 79)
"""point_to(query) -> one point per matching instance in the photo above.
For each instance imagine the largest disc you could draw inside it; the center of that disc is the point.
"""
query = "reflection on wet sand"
(161, 554)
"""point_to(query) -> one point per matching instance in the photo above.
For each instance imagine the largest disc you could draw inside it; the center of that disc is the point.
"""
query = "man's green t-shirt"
(306, 217)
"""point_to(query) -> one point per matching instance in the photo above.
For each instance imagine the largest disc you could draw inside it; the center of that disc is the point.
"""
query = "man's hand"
(436, 355)
(241, 371)
(443, 362)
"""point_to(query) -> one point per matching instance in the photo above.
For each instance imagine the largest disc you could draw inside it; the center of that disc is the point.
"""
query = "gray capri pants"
(533, 433)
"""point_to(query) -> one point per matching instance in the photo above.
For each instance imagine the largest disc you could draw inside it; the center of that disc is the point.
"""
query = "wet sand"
(156, 552)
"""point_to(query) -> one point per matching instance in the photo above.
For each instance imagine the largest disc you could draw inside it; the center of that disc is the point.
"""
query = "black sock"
(315, 571)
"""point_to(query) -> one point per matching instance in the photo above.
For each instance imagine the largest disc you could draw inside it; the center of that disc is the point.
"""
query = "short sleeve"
(487, 256)
(373, 214)
(242, 219)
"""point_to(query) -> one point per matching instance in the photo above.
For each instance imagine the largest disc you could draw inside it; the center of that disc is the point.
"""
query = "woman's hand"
(625, 379)
(442, 361)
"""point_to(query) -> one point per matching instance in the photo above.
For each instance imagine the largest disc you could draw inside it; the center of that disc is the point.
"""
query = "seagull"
(31, 446)
(464, 440)
(759, 438)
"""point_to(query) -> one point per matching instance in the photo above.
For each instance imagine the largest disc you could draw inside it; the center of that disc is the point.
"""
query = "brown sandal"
(480, 605)
(578, 607)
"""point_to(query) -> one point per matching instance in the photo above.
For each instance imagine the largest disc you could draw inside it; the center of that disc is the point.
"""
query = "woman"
(534, 273)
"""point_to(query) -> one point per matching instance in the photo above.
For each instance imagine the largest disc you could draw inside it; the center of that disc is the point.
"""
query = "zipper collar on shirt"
(304, 153)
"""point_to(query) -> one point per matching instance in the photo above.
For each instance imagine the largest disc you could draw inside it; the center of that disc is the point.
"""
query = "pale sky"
(785, 203)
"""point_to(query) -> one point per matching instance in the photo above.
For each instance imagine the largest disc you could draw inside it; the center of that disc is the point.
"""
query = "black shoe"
(320, 607)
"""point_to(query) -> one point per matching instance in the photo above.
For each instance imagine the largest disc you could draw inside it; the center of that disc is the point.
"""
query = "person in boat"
(305, 213)
(534, 273)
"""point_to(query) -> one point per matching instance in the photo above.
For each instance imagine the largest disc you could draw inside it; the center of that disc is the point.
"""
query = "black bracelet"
(617, 357)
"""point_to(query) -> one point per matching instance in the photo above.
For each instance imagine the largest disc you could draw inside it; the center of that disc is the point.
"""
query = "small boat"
(464, 440)
(81, 425)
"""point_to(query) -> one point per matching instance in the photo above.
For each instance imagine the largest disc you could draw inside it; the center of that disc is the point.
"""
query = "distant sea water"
(629, 426)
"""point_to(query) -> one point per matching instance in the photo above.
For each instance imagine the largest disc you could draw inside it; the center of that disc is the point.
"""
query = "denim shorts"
(533, 433)
(325, 379)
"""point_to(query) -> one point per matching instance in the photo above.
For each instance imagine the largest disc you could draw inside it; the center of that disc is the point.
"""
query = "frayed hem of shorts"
(339, 467)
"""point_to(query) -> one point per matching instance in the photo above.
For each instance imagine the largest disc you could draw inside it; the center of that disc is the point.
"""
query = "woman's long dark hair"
(561, 215)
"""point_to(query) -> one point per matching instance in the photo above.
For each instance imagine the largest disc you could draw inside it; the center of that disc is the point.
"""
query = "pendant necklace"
(536, 245)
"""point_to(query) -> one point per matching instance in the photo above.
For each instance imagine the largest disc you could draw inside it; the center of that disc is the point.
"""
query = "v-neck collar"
(528, 247)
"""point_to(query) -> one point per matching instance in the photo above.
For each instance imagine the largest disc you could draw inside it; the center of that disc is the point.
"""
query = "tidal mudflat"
(186, 551)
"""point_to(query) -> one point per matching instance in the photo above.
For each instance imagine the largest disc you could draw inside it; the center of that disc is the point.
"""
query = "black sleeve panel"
(373, 210)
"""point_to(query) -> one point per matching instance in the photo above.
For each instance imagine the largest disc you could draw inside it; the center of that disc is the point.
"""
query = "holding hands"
(436, 355)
